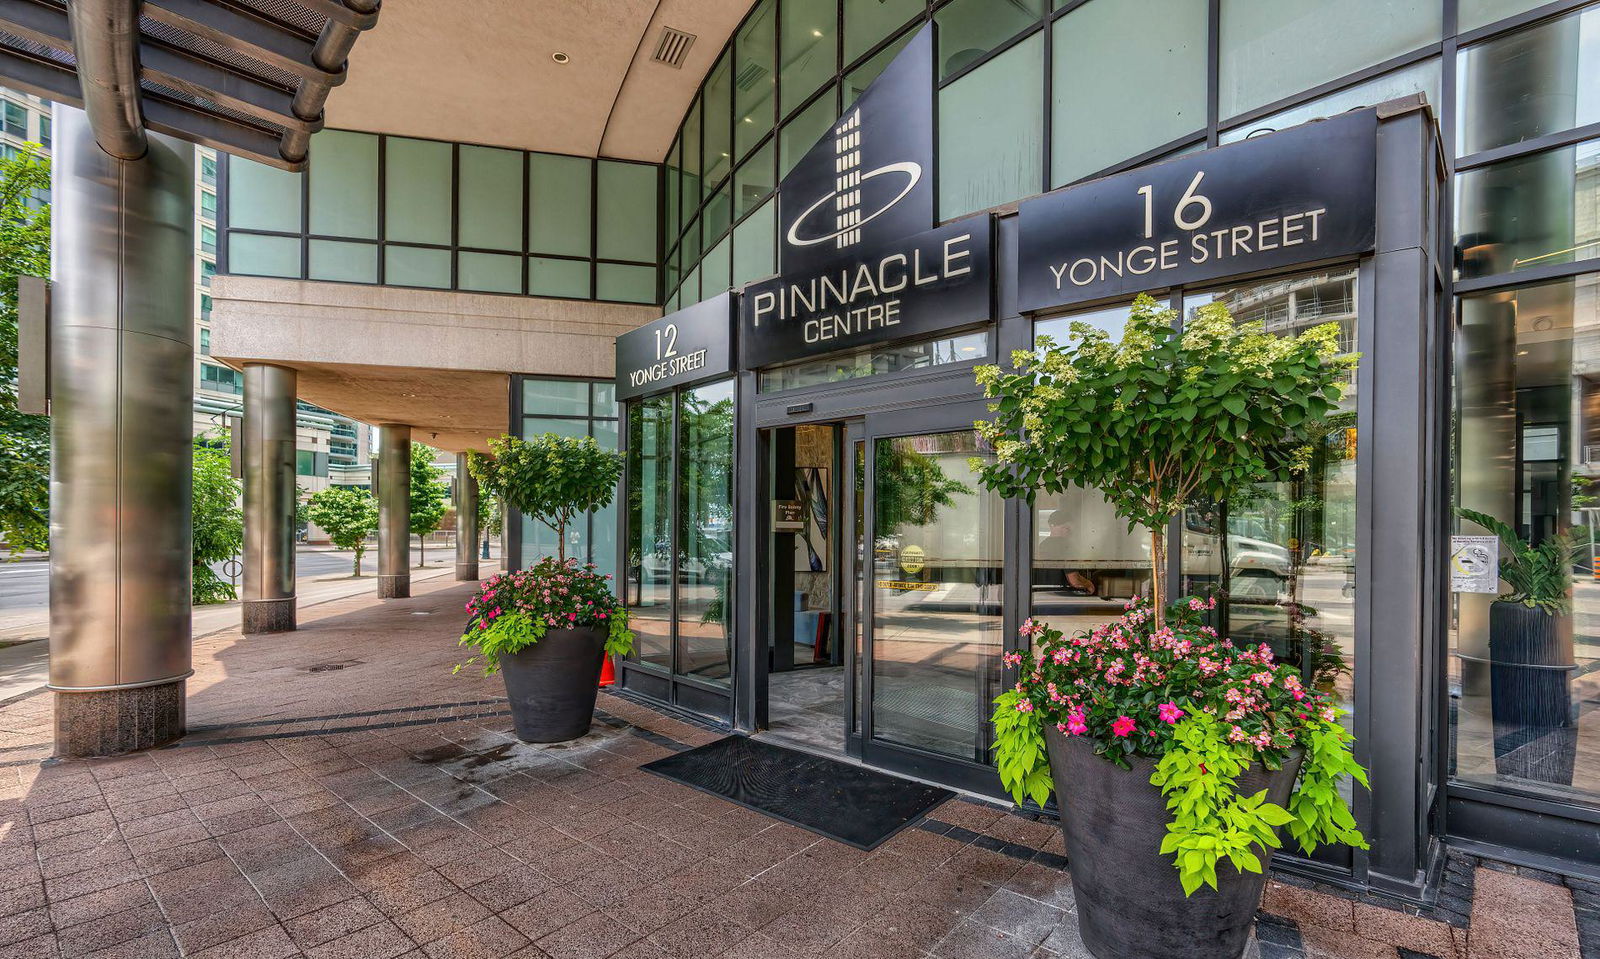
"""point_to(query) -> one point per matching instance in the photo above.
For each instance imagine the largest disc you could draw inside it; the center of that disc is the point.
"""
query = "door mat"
(857, 806)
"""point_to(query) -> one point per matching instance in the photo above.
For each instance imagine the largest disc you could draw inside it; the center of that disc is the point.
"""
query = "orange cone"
(608, 675)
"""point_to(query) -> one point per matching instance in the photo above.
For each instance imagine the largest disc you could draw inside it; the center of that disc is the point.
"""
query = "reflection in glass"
(874, 361)
(970, 29)
(718, 125)
(649, 560)
(1282, 559)
(1109, 320)
(757, 67)
(1420, 78)
(868, 21)
(807, 34)
(1086, 564)
(937, 570)
(1528, 212)
(705, 531)
(1542, 79)
(1525, 684)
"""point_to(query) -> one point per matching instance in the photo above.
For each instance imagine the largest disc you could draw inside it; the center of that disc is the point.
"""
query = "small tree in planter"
(1166, 745)
(546, 629)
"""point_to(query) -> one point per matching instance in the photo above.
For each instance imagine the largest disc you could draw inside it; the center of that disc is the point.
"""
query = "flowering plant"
(1204, 709)
(512, 611)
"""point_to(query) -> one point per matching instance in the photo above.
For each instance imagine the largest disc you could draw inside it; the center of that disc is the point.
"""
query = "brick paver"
(343, 795)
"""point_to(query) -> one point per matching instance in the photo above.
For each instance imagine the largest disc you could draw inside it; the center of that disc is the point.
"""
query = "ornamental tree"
(1162, 418)
(348, 514)
(429, 494)
(553, 479)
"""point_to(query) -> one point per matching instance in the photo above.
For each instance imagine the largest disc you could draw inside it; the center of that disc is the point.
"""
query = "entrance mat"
(857, 806)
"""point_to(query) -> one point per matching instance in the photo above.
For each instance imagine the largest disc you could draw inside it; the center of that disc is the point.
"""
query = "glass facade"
(574, 408)
(400, 211)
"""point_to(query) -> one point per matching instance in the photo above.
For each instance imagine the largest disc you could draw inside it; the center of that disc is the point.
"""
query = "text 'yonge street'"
(666, 369)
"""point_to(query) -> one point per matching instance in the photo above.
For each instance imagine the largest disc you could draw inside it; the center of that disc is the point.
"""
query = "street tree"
(429, 496)
(24, 439)
(348, 514)
(216, 519)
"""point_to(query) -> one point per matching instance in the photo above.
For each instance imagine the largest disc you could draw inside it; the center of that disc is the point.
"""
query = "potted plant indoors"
(1531, 662)
(1174, 755)
(548, 628)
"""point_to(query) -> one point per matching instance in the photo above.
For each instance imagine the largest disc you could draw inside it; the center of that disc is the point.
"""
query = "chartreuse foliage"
(1019, 749)
(1539, 576)
(1162, 417)
(554, 479)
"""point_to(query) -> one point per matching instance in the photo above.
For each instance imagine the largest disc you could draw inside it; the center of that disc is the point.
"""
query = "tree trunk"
(1158, 576)
(422, 550)
(561, 541)
(357, 573)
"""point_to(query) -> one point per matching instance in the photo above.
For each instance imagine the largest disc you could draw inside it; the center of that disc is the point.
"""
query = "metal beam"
(273, 43)
(170, 66)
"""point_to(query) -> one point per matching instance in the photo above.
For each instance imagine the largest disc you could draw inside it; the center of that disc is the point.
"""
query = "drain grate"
(332, 667)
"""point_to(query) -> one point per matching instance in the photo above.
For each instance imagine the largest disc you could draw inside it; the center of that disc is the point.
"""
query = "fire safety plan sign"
(1474, 564)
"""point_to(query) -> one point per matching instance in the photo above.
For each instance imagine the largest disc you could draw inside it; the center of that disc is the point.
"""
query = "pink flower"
(1169, 712)
(1075, 724)
(1025, 706)
(1122, 726)
(572, 617)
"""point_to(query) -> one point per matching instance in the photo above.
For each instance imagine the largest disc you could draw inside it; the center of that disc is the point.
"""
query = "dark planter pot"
(553, 683)
(1130, 902)
(1530, 693)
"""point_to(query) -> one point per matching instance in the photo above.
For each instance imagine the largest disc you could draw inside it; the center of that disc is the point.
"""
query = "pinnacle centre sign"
(860, 259)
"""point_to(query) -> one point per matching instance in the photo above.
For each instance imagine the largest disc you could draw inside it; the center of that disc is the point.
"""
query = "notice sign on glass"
(1474, 564)
(1307, 193)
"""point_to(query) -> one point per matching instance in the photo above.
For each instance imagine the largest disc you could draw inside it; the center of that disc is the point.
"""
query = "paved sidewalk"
(343, 795)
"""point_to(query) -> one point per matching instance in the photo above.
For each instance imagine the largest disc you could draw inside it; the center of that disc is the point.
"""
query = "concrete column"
(394, 511)
(122, 378)
(269, 498)
(466, 521)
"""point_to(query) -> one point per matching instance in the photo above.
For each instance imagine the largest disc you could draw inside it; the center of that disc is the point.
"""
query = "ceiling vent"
(673, 47)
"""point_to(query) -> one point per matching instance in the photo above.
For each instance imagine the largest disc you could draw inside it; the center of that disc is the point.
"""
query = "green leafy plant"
(513, 611)
(348, 514)
(1539, 576)
(428, 495)
(24, 438)
(553, 479)
(1162, 417)
(216, 520)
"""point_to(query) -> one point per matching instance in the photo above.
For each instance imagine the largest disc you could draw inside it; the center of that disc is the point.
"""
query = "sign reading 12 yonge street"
(859, 259)
(681, 348)
(1308, 193)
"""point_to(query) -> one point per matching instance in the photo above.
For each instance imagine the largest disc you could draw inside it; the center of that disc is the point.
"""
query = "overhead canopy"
(246, 76)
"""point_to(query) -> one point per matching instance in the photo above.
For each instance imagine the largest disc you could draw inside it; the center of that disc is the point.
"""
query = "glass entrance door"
(933, 583)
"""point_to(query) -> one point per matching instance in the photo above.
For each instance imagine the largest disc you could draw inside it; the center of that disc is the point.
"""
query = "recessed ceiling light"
(816, 33)
(560, 57)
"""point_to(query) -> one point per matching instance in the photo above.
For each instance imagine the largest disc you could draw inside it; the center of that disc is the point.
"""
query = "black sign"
(1308, 193)
(693, 344)
(936, 280)
(860, 261)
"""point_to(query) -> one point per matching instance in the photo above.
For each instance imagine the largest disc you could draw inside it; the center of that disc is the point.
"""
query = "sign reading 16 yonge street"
(860, 260)
(1306, 194)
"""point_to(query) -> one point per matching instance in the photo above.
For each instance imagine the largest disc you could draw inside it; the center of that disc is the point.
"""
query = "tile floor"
(343, 795)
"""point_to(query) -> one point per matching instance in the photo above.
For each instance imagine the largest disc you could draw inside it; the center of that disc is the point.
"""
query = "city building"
(760, 248)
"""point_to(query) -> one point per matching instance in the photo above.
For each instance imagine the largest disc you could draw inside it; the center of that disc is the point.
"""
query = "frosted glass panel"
(969, 29)
(808, 32)
(714, 268)
(262, 197)
(345, 262)
(489, 272)
(990, 137)
(632, 284)
(417, 191)
(1473, 14)
(719, 122)
(627, 211)
(857, 80)
(252, 255)
(344, 184)
(547, 277)
(753, 250)
(752, 95)
(802, 133)
(558, 204)
(412, 266)
(1273, 50)
(753, 181)
(555, 398)
(1104, 114)
(491, 198)
(689, 295)
(1420, 78)
(868, 21)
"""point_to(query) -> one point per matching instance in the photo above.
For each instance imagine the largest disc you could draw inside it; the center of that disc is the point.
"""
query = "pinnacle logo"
(846, 194)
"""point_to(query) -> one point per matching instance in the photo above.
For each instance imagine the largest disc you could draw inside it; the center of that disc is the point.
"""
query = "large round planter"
(1530, 693)
(1130, 902)
(552, 684)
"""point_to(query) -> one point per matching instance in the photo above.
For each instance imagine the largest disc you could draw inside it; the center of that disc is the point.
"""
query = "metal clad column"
(122, 374)
(466, 521)
(269, 498)
(394, 511)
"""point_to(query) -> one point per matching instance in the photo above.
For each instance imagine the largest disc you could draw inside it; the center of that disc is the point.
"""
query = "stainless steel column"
(122, 377)
(394, 511)
(466, 521)
(269, 498)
